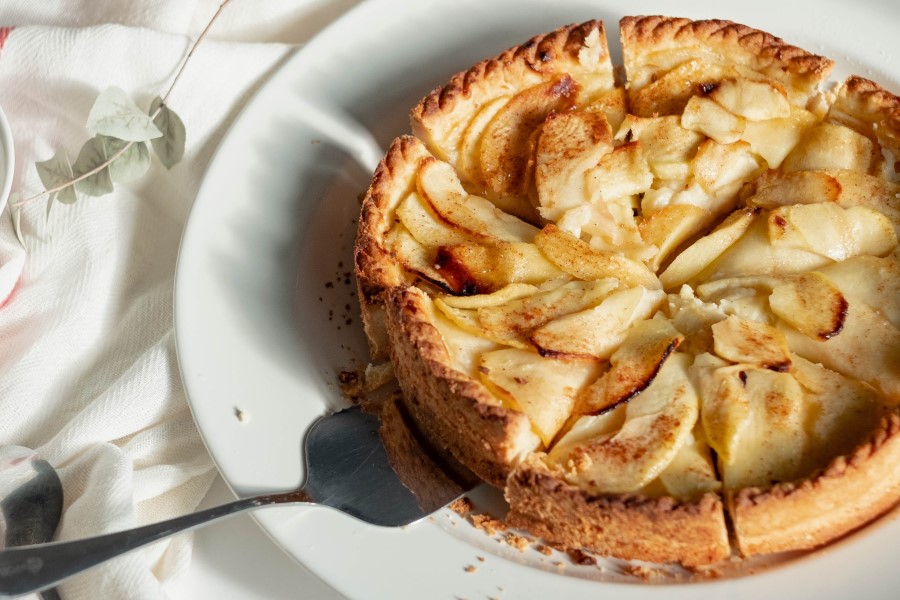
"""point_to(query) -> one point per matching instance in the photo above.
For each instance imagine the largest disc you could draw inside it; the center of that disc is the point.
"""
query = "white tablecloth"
(88, 372)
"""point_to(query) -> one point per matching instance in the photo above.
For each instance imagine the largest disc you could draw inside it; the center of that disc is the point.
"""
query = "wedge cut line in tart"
(656, 305)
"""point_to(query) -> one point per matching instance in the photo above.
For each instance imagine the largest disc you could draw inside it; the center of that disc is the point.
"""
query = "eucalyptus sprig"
(119, 150)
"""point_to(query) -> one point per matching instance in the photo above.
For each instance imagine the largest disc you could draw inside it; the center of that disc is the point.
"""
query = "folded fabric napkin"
(88, 371)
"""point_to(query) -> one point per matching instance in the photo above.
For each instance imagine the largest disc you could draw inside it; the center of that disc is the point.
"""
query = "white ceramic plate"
(265, 313)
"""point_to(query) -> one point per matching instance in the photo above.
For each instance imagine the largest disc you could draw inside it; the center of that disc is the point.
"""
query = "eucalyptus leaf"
(115, 114)
(67, 195)
(170, 147)
(92, 155)
(57, 172)
(132, 164)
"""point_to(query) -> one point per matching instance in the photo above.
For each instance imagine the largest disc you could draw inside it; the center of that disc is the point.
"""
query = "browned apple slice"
(724, 406)
(634, 365)
(580, 260)
(612, 104)
(426, 227)
(817, 150)
(439, 185)
(622, 172)
(755, 254)
(465, 349)
(469, 162)
(861, 189)
(664, 139)
(772, 444)
(871, 280)
(867, 349)
(773, 139)
(752, 343)
(568, 145)
(414, 257)
(844, 410)
(509, 320)
(670, 227)
(754, 419)
(669, 93)
(467, 320)
(709, 118)
(831, 231)
(543, 388)
(505, 146)
(624, 450)
(484, 268)
(525, 314)
(702, 253)
(470, 140)
(597, 332)
(691, 472)
(506, 294)
(717, 166)
(774, 189)
(752, 99)
(812, 304)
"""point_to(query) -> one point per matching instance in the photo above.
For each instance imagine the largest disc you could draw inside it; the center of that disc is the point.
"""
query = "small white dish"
(7, 160)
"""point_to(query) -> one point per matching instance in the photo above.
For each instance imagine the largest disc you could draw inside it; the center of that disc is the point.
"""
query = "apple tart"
(661, 314)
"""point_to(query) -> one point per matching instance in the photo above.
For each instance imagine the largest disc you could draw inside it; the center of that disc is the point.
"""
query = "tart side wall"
(376, 269)
(663, 530)
(452, 410)
(432, 475)
(852, 491)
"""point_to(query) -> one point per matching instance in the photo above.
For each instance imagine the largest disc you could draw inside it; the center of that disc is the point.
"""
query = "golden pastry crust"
(852, 491)
(439, 117)
(868, 107)
(429, 472)
(651, 43)
(376, 270)
(451, 408)
(661, 530)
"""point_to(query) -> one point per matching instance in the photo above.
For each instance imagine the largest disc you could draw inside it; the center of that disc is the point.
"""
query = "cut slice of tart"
(485, 121)
(816, 510)
(669, 60)
(662, 316)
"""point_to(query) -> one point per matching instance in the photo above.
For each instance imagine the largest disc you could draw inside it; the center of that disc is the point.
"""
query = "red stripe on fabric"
(12, 292)
(4, 33)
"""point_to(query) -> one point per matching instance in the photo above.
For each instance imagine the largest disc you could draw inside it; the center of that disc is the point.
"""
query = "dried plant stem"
(191, 51)
(126, 147)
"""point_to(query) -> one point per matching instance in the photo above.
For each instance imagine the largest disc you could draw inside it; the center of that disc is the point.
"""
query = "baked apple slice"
(543, 388)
